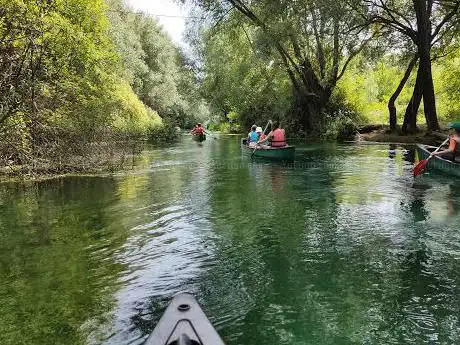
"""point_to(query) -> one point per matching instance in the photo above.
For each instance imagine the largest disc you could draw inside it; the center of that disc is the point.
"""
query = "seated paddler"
(276, 137)
(452, 152)
(253, 137)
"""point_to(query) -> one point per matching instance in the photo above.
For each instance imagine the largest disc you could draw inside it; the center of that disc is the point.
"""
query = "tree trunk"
(307, 111)
(423, 10)
(429, 100)
(395, 95)
(410, 117)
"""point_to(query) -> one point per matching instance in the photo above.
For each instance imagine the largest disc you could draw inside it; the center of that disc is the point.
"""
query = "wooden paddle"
(420, 167)
(269, 121)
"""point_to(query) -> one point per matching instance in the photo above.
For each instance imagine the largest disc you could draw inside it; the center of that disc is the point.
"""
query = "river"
(341, 248)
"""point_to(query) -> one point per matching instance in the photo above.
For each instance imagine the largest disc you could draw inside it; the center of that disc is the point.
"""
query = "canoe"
(286, 153)
(184, 323)
(438, 163)
(200, 138)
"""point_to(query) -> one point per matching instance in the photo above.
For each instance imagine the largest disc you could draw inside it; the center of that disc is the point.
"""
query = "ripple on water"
(343, 248)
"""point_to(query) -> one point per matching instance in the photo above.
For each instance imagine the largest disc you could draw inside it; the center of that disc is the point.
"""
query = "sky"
(171, 20)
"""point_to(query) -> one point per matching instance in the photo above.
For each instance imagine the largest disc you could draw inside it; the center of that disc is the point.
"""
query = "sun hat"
(259, 130)
(454, 125)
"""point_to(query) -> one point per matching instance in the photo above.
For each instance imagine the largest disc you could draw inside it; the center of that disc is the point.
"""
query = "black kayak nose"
(184, 323)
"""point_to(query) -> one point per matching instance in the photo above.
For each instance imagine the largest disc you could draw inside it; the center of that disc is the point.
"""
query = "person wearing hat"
(260, 133)
(454, 143)
(253, 137)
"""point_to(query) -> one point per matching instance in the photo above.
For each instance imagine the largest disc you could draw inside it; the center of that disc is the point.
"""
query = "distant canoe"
(438, 163)
(286, 153)
(200, 138)
(184, 322)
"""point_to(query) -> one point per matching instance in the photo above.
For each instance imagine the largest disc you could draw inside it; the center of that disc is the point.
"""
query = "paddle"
(209, 133)
(269, 121)
(420, 167)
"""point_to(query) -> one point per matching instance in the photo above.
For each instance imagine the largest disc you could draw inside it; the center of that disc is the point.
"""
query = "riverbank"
(101, 158)
(380, 133)
(111, 153)
(110, 157)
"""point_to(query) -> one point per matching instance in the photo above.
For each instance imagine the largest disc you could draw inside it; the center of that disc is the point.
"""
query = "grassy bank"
(73, 153)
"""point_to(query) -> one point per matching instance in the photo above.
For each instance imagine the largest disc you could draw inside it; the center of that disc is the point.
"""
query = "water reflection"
(409, 154)
(342, 247)
(54, 236)
(453, 199)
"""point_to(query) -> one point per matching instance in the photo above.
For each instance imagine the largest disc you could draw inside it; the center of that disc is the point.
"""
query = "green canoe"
(200, 138)
(286, 153)
(184, 322)
(438, 163)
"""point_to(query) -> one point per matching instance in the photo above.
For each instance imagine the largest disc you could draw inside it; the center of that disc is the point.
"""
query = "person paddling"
(276, 136)
(198, 130)
(253, 137)
(260, 133)
(454, 144)
(194, 129)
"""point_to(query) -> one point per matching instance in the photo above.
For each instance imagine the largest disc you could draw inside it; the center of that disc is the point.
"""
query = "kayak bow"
(184, 323)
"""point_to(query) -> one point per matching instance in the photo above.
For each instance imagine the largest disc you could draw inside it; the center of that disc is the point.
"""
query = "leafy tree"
(81, 71)
(240, 78)
(160, 74)
(311, 40)
(427, 24)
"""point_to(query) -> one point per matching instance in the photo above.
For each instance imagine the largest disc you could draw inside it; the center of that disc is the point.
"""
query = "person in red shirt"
(277, 136)
(193, 130)
(199, 129)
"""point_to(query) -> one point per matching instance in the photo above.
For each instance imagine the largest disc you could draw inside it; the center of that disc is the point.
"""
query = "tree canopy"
(86, 70)
(315, 44)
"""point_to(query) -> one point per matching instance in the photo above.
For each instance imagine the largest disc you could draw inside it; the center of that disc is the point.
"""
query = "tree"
(397, 92)
(239, 76)
(155, 68)
(427, 24)
(311, 39)
(67, 79)
(53, 56)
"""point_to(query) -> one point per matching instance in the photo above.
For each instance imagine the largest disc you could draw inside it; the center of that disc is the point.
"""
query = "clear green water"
(343, 248)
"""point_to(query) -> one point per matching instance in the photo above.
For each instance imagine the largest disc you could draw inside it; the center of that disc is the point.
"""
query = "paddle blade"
(420, 167)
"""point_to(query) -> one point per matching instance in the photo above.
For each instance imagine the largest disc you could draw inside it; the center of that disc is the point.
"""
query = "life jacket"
(253, 137)
(199, 131)
(261, 136)
(278, 138)
(455, 147)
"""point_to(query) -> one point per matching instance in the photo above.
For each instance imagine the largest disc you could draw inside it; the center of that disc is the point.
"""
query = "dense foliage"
(240, 83)
(316, 63)
(160, 75)
(77, 73)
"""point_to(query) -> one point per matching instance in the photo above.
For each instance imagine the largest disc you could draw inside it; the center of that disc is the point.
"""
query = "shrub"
(166, 133)
(340, 125)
